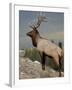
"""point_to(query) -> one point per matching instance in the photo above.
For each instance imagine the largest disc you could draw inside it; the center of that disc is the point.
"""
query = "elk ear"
(36, 31)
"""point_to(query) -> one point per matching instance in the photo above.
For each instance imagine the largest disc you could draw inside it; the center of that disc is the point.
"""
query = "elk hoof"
(59, 74)
(43, 67)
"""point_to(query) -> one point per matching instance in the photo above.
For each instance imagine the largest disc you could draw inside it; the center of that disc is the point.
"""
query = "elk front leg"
(42, 60)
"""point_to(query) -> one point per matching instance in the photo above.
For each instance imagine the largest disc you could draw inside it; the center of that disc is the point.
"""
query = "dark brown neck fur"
(34, 39)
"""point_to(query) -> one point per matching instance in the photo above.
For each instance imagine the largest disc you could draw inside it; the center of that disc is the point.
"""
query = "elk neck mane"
(35, 38)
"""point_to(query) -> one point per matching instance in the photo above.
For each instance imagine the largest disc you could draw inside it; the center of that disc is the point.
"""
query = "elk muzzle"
(28, 34)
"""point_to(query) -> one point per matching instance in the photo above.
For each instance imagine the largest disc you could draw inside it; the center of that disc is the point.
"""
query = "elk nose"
(27, 34)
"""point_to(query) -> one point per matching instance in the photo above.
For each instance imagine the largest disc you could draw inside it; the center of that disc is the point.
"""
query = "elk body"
(45, 47)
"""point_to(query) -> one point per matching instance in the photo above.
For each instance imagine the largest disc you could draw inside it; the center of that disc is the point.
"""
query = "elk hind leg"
(60, 67)
(58, 62)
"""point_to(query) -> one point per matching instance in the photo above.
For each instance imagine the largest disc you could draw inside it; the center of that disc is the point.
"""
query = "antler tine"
(40, 19)
(32, 26)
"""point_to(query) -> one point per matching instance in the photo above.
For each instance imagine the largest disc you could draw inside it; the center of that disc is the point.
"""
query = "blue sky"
(52, 29)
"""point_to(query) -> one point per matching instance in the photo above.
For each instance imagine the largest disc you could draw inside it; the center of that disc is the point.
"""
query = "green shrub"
(32, 53)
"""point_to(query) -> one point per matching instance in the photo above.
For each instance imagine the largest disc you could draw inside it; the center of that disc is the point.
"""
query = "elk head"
(34, 34)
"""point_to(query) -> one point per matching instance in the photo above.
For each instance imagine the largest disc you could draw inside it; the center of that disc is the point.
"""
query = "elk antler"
(40, 20)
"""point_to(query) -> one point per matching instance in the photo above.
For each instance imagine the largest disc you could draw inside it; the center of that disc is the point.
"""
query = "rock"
(29, 69)
(37, 62)
(21, 53)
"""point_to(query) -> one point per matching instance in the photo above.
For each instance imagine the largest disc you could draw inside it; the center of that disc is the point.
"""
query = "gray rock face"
(29, 69)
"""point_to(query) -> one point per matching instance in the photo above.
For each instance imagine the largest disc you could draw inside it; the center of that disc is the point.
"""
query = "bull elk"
(45, 46)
